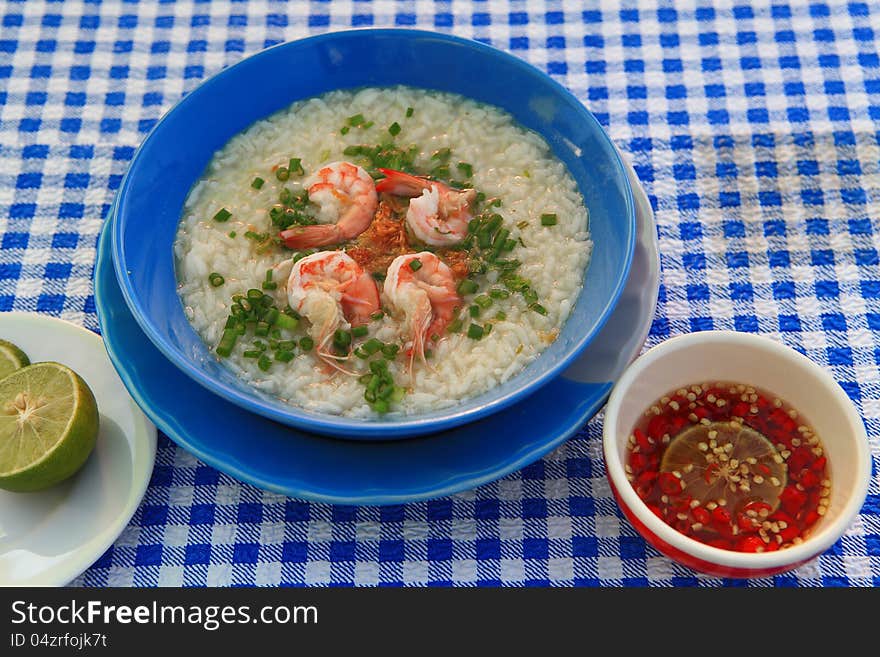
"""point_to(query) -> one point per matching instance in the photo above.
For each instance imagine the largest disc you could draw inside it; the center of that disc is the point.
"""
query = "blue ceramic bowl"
(179, 148)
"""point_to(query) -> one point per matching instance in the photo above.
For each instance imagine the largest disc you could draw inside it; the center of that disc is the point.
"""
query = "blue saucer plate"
(275, 457)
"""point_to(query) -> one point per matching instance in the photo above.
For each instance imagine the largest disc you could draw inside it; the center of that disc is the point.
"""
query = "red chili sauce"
(731, 466)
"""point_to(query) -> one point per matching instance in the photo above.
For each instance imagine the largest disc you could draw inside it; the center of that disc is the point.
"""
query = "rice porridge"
(381, 252)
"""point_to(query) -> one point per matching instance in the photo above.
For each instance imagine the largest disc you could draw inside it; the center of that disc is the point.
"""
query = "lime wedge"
(48, 426)
(11, 358)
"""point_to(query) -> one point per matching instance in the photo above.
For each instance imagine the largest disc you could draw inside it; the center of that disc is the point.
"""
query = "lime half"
(48, 426)
(11, 358)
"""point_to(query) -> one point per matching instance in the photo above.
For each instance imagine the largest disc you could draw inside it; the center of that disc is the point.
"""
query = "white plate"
(48, 538)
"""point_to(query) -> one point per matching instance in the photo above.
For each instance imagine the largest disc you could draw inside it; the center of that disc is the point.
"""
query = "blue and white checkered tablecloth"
(753, 126)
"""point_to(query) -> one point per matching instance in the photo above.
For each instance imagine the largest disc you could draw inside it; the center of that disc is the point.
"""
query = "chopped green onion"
(222, 215)
(455, 326)
(467, 286)
(254, 294)
(415, 264)
(306, 343)
(231, 233)
(409, 112)
(262, 329)
(284, 355)
(487, 328)
(359, 331)
(390, 351)
(216, 279)
(440, 171)
(257, 183)
(475, 332)
(483, 301)
(394, 129)
(356, 120)
(466, 169)
(474, 311)
(285, 321)
(501, 315)
(377, 315)
(522, 224)
(506, 265)
(295, 166)
(378, 276)
(252, 353)
(498, 243)
(381, 406)
(344, 130)
(372, 345)
(270, 285)
(548, 219)
(509, 244)
(442, 155)
(271, 316)
(342, 339)
(367, 125)
(264, 363)
(498, 293)
(538, 308)
(481, 196)
(495, 203)
(282, 174)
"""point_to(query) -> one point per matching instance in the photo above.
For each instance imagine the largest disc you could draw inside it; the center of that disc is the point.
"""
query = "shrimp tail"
(306, 237)
(399, 183)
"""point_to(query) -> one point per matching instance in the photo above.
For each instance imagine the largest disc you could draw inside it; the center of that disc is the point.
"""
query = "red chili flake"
(642, 441)
(701, 515)
(790, 533)
(750, 544)
(638, 461)
(819, 464)
(657, 427)
(740, 409)
(799, 459)
(669, 483)
(711, 470)
(792, 500)
(747, 524)
(720, 516)
(809, 479)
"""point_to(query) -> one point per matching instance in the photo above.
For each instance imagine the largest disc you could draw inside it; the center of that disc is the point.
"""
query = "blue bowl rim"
(356, 428)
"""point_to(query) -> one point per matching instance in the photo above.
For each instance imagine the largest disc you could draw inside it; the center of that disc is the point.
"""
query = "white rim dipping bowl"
(728, 356)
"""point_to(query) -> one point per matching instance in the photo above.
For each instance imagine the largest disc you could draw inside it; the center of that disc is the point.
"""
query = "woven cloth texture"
(752, 126)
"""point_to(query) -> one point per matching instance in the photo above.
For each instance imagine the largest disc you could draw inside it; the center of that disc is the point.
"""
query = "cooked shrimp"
(346, 196)
(330, 289)
(438, 215)
(426, 295)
